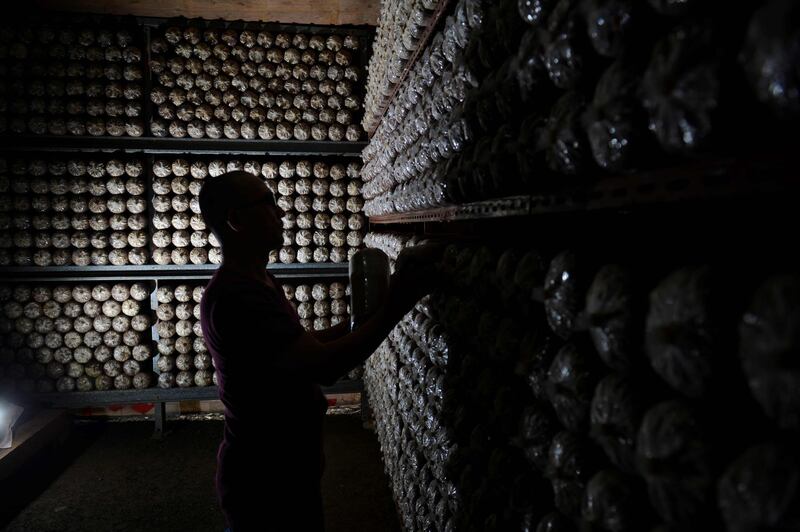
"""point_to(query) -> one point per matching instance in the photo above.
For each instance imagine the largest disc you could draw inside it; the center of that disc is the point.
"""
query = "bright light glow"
(5, 426)
(5, 412)
(9, 414)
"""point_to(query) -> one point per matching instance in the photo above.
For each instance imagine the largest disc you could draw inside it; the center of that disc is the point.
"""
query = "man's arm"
(332, 333)
(250, 319)
(325, 362)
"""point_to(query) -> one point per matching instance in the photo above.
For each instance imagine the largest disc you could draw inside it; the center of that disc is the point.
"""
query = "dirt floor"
(115, 477)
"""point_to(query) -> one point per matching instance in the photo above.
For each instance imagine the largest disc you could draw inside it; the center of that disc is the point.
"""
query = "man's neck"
(246, 266)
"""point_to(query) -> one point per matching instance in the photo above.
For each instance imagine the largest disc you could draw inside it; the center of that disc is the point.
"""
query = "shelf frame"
(160, 397)
(763, 175)
(157, 395)
(150, 146)
(170, 145)
(154, 272)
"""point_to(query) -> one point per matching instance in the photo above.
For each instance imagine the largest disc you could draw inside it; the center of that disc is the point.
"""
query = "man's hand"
(416, 274)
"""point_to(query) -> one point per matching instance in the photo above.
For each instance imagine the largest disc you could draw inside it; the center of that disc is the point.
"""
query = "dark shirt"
(273, 417)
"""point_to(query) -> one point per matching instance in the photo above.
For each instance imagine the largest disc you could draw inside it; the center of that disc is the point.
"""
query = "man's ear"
(233, 222)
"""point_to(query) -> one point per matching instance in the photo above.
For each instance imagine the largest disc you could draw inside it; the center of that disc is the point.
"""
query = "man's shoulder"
(237, 293)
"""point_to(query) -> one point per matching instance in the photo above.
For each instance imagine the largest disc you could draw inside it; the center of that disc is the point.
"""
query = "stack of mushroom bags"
(80, 210)
(321, 200)
(255, 84)
(72, 75)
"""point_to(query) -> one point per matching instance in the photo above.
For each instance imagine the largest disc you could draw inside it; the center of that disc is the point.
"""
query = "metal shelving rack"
(112, 397)
(160, 397)
(169, 145)
(762, 176)
(154, 272)
(149, 146)
(497, 208)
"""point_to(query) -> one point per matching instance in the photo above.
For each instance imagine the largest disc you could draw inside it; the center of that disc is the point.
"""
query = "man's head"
(241, 212)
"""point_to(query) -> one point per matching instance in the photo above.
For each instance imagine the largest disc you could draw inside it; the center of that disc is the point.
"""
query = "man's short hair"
(217, 196)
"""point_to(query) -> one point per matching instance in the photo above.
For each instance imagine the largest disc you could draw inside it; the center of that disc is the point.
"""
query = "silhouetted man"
(269, 368)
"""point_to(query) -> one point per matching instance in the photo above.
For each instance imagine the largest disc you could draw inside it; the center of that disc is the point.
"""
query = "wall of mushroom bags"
(281, 101)
(86, 75)
(630, 367)
(59, 210)
(321, 201)
(183, 358)
(618, 371)
(606, 399)
(84, 337)
(76, 337)
(551, 96)
(319, 305)
(94, 210)
(73, 75)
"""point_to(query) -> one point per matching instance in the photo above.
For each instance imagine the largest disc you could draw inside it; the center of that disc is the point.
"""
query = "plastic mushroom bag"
(529, 69)
(615, 502)
(532, 150)
(760, 490)
(769, 345)
(534, 12)
(568, 151)
(680, 331)
(536, 430)
(611, 308)
(567, 56)
(771, 53)
(537, 350)
(571, 381)
(616, 412)
(504, 274)
(564, 287)
(680, 87)
(571, 463)
(610, 24)
(615, 121)
(674, 458)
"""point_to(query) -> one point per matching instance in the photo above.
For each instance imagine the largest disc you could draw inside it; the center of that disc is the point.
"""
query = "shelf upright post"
(148, 82)
(160, 407)
(148, 176)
